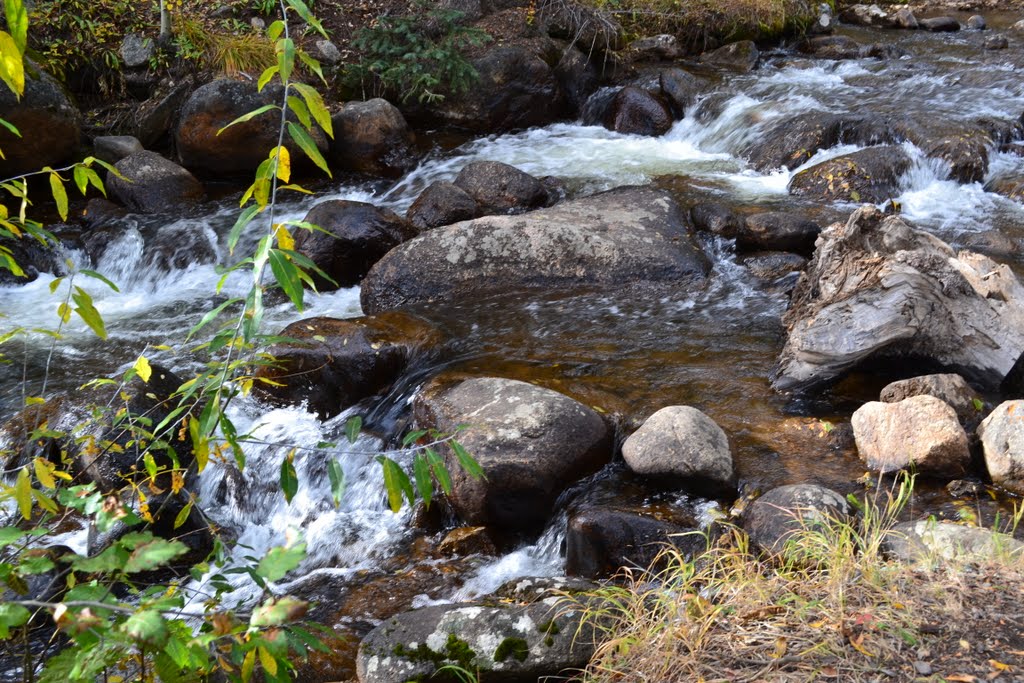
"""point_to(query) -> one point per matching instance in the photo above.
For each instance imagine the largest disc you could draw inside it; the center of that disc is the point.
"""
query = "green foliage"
(402, 56)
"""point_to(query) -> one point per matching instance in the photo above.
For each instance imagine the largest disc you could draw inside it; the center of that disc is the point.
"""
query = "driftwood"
(879, 288)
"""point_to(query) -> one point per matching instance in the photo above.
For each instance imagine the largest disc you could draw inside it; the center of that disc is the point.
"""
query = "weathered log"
(879, 288)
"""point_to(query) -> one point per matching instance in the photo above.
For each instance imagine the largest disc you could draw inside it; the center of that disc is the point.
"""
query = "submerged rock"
(966, 154)
(627, 236)
(939, 24)
(531, 443)
(878, 288)
(791, 142)
(152, 184)
(372, 137)
(716, 218)
(1002, 440)
(921, 433)
(681, 442)
(870, 175)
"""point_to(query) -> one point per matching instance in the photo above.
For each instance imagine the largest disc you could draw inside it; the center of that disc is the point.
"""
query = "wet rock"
(834, 47)
(949, 388)
(336, 363)
(136, 50)
(939, 24)
(777, 230)
(556, 189)
(878, 288)
(992, 243)
(498, 188)
(33, 258)
(113, 148)
(1009, 186)
(977, 23)
(870, 175)
(356, 235)
(996, 43)
(775, 518)
(741, 56)
(904, 18)
(965, 488)
(155, 117)
(773, 265)
(628, 236)
(682, 442)
(153, 184)
(1002, 440)
(372, 137)
(965, 153)
(176, 247)
(442, 203)
(598, 106)
(637, 112)
(921, 433)
(601, 541)
(654, 48)
(468, 540)
(577, 78)
(498, 643)
(716, 218)
(680, 90)
(864, 15)
(933, 541)
(791, 142)
(531, 443)
(536, 588)
(240, 149)
(49, 123)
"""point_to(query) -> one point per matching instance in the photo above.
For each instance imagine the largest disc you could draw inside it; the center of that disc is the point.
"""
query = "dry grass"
(834, 608)
(224, 53)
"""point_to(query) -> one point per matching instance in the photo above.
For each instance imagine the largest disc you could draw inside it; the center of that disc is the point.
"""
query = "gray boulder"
(635, 111)
(680, 441)
(777, 231)
(628, 236)
(773, 265)
(931, 541)
(921, 433)
(864, 15)
(939, 24)
(531, 443)
(1002, 440)
(680, 89)
(500, 188)
(153, 184)
(113, 148)
(792, 141)
(775, 518)
(372, 137)
(136, 50)
(653, 48)
(949, 388)
(904, 18)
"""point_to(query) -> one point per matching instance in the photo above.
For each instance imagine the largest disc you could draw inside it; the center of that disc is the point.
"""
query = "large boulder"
(680, 442)
(921, 433)
(638, 112)
(777, 231)
(531, 443)
(499, 188)
(150, 183)
(966, 154)
(740, 56)
(878, 288)
(680, 89)
(354, 236)
(930, 541)
(939, 24)
(623, 237)
(334, 363)
(1002, 440)
(49, 123)
(950, 388)
(442, 203)
(870, 175)
(792, 141)
(780, 515)
(372, 137)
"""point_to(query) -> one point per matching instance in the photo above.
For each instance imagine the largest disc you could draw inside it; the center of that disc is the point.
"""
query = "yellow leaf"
(248, 664)
(12, 66)
(284, 163)
(34, 400)
(44, 472)
(23, 493)
(268, 661)
(142, 368)
(999, 666)
(177, 482)
(284, 238)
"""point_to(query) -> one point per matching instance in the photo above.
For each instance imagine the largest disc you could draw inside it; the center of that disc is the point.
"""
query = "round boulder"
(939, 24)
(355, 236)
(950, 388)
(500, 188)
(635, 111)
(152, 184)
(442, 203)
(49, 123)
(531, 443)
(372, 137)
(920, 432)
(680, 441)
(1002, 440)
(784, 512)
(870, 175)
(113, 148)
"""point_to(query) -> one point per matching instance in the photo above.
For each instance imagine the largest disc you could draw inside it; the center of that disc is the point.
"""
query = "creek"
(627, 356)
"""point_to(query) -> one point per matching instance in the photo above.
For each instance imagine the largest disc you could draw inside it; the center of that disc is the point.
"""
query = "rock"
(577, 78)
(680, 441)
(1002, 440)
(154, 118)
(977, 23)
(496, 643)
(600, 541)
(932, 541)
(587, 28)
(468, 540)
(1019, 26)
(904, 18)
(773, 265)
(49, 123)
(1012, 384)
(740, 56)
(33, 258)
(680, 90)
(878, 288)
(834, 47)
(136, 50)
(152, 184)
(716, 218)
(442, 203)
(965, 488)
(870, 175)
(949, 388)
(1011, 187)
(531, 443)
(996, 43)
(775, 518)
(628, 236)
(939, 24)
(372, 137)
(777, 230)
(791, 142)
(635, 111)
(327, 51)
(536, 588)
(336, 363)
(113, 148)
(654, 48)
(240, 149)
(597, 108)
(356, 235)
(921, 433)
(498, 188)
(176, 247)
(992, 243)
(966, 154)
(864, 15)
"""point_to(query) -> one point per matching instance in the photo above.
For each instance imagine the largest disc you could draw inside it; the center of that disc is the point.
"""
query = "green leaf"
(280, 560)
(301, 111)
(146, 627)
(150, 464)
(277, 611)
(396, 483)
(12, 66)
(287, 275)
(210, 315)
(97, 276)
(307, 145)
(424, 484)
(352, 428)
(143, 369)
(316, 106)
(11, 616)
(467, 462)
(337, 476)
(412, 436)
(153, 553)
(289, 480)
(275, 30)
(978, 404)
(243, 220)
(87, 312)
(17, 22)
(249, 116)
(285, 48)
(9, 535)
(267, 74)
(60, 196)
(11, 127)
(23, 493)
(440, 470)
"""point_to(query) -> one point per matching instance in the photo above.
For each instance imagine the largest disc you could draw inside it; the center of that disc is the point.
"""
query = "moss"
(455, 650)
(515, 648)
(549, 627)
(459, 651)
(549, 641)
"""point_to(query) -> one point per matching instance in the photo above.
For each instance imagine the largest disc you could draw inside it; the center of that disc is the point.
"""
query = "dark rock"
(101, 212)
(176, 247)
(977, 22)
(680, 442)
(577, 78)
(834, 47)
(33, 258)
(741, 56)
(155, 117)
(636, 111)
(498, 188)
(442, 203)
(336, 363)
(950, 388)
(1011, 187)
(779, 231)
(468, 540)
(588, 29)
(152, 184)
(773, 265)
(113, 148)
(920, 433)
(965, 153)
(870, 175)
(716, 218)
(791, 142)
(772, 520)
(992, 243)
(355, 236)
(939, 24)
(372, 137)
(597, 107)
(531, 443)
(680, 89)
(655, 48)
(930, 540)
(49, 123)
(556, 189)
(626, 236)
(1012, 384)
(996, 43)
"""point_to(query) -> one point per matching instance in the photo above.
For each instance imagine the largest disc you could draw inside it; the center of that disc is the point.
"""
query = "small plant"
(400, 55)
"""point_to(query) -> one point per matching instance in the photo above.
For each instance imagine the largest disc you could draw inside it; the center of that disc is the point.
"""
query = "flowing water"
(626, 355)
